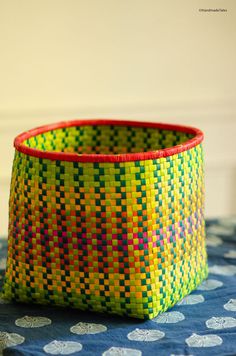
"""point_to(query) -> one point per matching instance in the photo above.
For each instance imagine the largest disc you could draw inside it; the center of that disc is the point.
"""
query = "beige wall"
(153, 60)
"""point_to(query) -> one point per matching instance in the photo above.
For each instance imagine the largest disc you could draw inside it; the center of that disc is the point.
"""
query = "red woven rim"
(124, 157)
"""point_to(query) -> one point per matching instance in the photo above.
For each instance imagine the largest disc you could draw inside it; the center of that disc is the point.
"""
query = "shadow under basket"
(106, 216)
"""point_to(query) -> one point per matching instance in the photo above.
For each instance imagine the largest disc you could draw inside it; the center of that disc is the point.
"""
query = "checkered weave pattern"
(123, 237)
(108, 139)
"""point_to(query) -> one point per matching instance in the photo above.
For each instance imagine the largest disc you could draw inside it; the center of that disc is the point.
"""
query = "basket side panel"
(125, 238)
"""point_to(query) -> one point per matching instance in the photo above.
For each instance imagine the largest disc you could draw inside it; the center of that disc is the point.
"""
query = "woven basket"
(106, 216)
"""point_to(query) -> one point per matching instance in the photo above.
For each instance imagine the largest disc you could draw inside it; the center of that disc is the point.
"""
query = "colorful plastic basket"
(107, 216)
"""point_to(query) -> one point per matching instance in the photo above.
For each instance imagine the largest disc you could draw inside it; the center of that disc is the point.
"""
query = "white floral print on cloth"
(32, 321)
(209, 340)
(169, 317)
(218, 323)
(213, 241)
(3, 262)
(225, 270)
(220, 230)
(228, 221)
(145, 335)
(87, 328)
(180, 355)
(191, 299)
(210, 284)
(230, 305)
(122, 351)
(58, 347)
(230, 254)
(9, 339)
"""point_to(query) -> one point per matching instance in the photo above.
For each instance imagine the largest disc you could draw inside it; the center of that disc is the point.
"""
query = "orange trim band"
(125, 157)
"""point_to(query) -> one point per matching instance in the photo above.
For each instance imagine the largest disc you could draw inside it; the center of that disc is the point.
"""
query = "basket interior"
(106, 139)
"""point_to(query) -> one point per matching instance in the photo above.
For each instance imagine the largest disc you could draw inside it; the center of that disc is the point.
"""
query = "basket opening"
(106, 139)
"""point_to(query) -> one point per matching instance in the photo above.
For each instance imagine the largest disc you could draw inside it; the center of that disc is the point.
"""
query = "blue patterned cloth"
(202, 323)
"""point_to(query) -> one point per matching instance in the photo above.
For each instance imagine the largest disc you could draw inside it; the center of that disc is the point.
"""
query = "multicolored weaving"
(107, 216)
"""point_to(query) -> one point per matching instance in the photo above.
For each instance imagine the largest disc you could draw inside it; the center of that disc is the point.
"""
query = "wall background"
(147, 60)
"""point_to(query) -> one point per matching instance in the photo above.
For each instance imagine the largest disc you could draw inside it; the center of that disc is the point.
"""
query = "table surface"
(201, 323)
